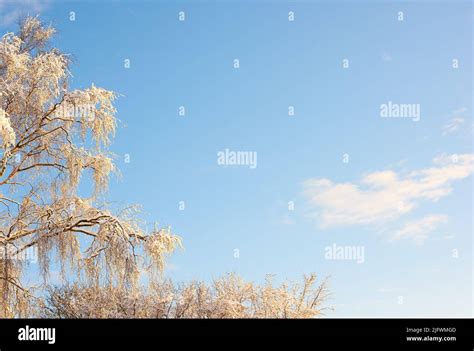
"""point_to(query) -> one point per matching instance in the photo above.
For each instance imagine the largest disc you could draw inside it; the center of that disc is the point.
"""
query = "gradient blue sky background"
(286, 63)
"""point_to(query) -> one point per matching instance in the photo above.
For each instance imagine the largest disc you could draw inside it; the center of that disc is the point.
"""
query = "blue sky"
(401, 196)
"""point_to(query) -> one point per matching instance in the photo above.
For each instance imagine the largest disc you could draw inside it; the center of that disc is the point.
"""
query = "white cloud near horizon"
(383, 196)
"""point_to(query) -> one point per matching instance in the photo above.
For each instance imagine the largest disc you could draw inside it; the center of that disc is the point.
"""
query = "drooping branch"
(50, 136)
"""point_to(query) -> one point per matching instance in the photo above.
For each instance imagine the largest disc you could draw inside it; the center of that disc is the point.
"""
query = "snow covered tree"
(226, 297)
(50, 136)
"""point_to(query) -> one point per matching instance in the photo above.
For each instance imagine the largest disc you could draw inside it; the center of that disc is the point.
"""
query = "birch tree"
(50, 137)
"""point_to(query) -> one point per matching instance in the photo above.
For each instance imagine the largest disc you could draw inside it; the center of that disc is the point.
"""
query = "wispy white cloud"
(455, 122)
(453, 125)
(13, 10)
(419, 230)
(383, 196)
(459, 111)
